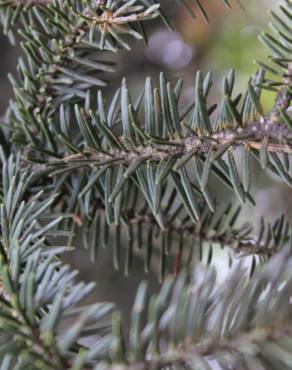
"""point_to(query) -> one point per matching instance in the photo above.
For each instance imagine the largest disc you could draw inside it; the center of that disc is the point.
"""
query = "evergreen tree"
(138, 169)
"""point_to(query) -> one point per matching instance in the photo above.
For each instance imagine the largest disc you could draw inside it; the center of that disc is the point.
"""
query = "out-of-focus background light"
(169, 49)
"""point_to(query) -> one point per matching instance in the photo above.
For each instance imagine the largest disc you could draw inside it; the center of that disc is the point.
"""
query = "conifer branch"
(168, 146)
(180, 241)
(37, 291)
(138, 171)
(195, 354)
(197, 323)
(251, 135)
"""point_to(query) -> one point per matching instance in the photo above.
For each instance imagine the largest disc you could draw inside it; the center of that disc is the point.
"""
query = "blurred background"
(229, 41)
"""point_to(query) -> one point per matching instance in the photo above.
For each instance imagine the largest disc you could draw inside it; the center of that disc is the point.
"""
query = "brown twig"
(279, 140)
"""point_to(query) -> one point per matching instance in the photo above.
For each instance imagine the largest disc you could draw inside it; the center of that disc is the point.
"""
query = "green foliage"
(145, 171)
(192, 320)
(38, 292)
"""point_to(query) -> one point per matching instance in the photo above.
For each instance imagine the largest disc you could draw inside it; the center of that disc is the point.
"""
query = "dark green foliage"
(139, 176)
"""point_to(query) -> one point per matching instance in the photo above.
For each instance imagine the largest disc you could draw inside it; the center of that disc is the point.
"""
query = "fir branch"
(195, 354)
(68, 67)
(178, 241)
(194, 322)
(167, 153)
(167, 141)
(279, 47)
(251, 135)
(37, 291)
(181, 239)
